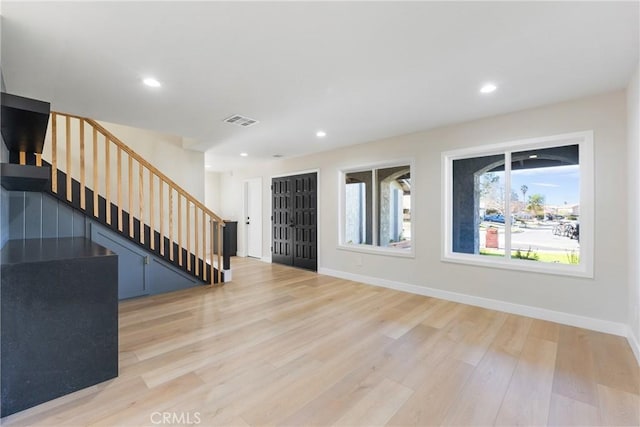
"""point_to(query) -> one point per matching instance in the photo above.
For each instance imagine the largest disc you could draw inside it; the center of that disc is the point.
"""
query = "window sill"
(367, 249)
(520, 265)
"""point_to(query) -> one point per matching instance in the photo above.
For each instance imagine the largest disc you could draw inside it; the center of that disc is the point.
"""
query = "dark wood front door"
(295, 221)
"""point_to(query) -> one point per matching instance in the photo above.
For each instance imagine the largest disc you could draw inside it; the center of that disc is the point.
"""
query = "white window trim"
(372, 249)
(585, 141)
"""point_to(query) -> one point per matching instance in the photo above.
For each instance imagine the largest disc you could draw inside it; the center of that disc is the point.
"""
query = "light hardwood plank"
(565, 411)
(481, 398)
(614, 363)
(545, 330)
(526, 402)
(618, 408)
(282, 346)
(575, 375)
(434, 396)
(378, 406)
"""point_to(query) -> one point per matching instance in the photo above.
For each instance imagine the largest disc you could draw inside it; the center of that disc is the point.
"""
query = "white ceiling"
(358, 70)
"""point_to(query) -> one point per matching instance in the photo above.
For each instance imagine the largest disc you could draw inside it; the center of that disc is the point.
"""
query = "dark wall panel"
(16, 215)
(33, 215)
(49, 217)
(163, 278)
(65, 221)
(4, 216)
(131, 262)
(78, 224)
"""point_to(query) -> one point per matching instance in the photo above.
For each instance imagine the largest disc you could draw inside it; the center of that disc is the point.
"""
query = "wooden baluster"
(200, 252)
(96, 185)
(119, 185)
(38, 159)
(83, 196)
(204, 247)
(141, 200)
(22, 158)
(170, 223)
(131, 233)
(160, 197)
(188, 236)
(219, 252)
(195, 238)
(212, 249)
(179, 230)
(54, 152)
(152, 212)
(107, 170)
(68, 165)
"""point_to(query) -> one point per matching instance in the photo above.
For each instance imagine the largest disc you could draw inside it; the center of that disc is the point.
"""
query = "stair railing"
(157, 201)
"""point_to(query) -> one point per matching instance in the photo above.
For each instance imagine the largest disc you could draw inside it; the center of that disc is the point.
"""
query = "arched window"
(376, 209)
(525, 205)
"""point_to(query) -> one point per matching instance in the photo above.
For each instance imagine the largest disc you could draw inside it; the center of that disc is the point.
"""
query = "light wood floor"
(289, 347)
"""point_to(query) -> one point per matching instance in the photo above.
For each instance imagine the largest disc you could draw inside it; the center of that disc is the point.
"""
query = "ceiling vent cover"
(239, 120)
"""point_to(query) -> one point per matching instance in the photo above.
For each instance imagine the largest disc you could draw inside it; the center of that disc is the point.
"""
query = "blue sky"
(558, 184)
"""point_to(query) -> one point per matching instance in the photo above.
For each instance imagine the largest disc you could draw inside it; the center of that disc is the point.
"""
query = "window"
(377, 209)
(524, 205)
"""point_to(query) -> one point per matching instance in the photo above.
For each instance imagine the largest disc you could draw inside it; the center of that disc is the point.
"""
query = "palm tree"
(524, 190)
(536, 203)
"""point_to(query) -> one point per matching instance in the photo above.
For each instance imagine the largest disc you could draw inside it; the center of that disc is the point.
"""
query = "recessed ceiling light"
(151, 82)
(488, 88)
(244, 154)
(533, 156)
(321, 134)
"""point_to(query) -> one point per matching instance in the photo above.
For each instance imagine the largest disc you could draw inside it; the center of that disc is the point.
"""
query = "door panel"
(295, 220)
(253, 191)
(282, 238)
(131, 262)
(305, 212)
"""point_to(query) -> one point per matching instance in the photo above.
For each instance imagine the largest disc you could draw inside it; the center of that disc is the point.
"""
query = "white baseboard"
(599, 325)
(266, 259)
(634, 344)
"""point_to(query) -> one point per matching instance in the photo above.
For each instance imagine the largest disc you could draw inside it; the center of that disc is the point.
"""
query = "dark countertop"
(42, 250)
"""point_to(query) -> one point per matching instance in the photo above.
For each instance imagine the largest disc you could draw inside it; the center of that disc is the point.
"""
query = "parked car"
(499, 218)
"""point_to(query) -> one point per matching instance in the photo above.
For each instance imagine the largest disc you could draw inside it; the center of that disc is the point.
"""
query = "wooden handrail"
(125, 193)
(146, 164)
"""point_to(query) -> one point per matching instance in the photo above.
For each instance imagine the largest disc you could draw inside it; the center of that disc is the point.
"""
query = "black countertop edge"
(43, 250)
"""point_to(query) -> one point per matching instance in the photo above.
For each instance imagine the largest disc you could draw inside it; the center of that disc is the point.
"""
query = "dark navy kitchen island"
(59, 314)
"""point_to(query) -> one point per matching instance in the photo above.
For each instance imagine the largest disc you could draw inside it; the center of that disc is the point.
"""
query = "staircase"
(99, 175)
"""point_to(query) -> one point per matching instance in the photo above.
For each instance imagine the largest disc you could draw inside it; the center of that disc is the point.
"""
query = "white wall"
(600, 303)
(165, 152)
(212, 197)
(633, 123)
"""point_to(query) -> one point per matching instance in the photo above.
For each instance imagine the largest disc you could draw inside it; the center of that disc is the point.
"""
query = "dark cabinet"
(229, 238)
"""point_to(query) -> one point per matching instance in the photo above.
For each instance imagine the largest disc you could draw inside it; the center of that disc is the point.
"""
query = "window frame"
(584, 139)
(374, 249)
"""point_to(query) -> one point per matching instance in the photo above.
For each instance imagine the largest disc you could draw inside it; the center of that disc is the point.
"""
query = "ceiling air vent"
(239, 120)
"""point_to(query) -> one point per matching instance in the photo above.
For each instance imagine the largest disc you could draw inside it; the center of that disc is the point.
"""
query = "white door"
(253, 217)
